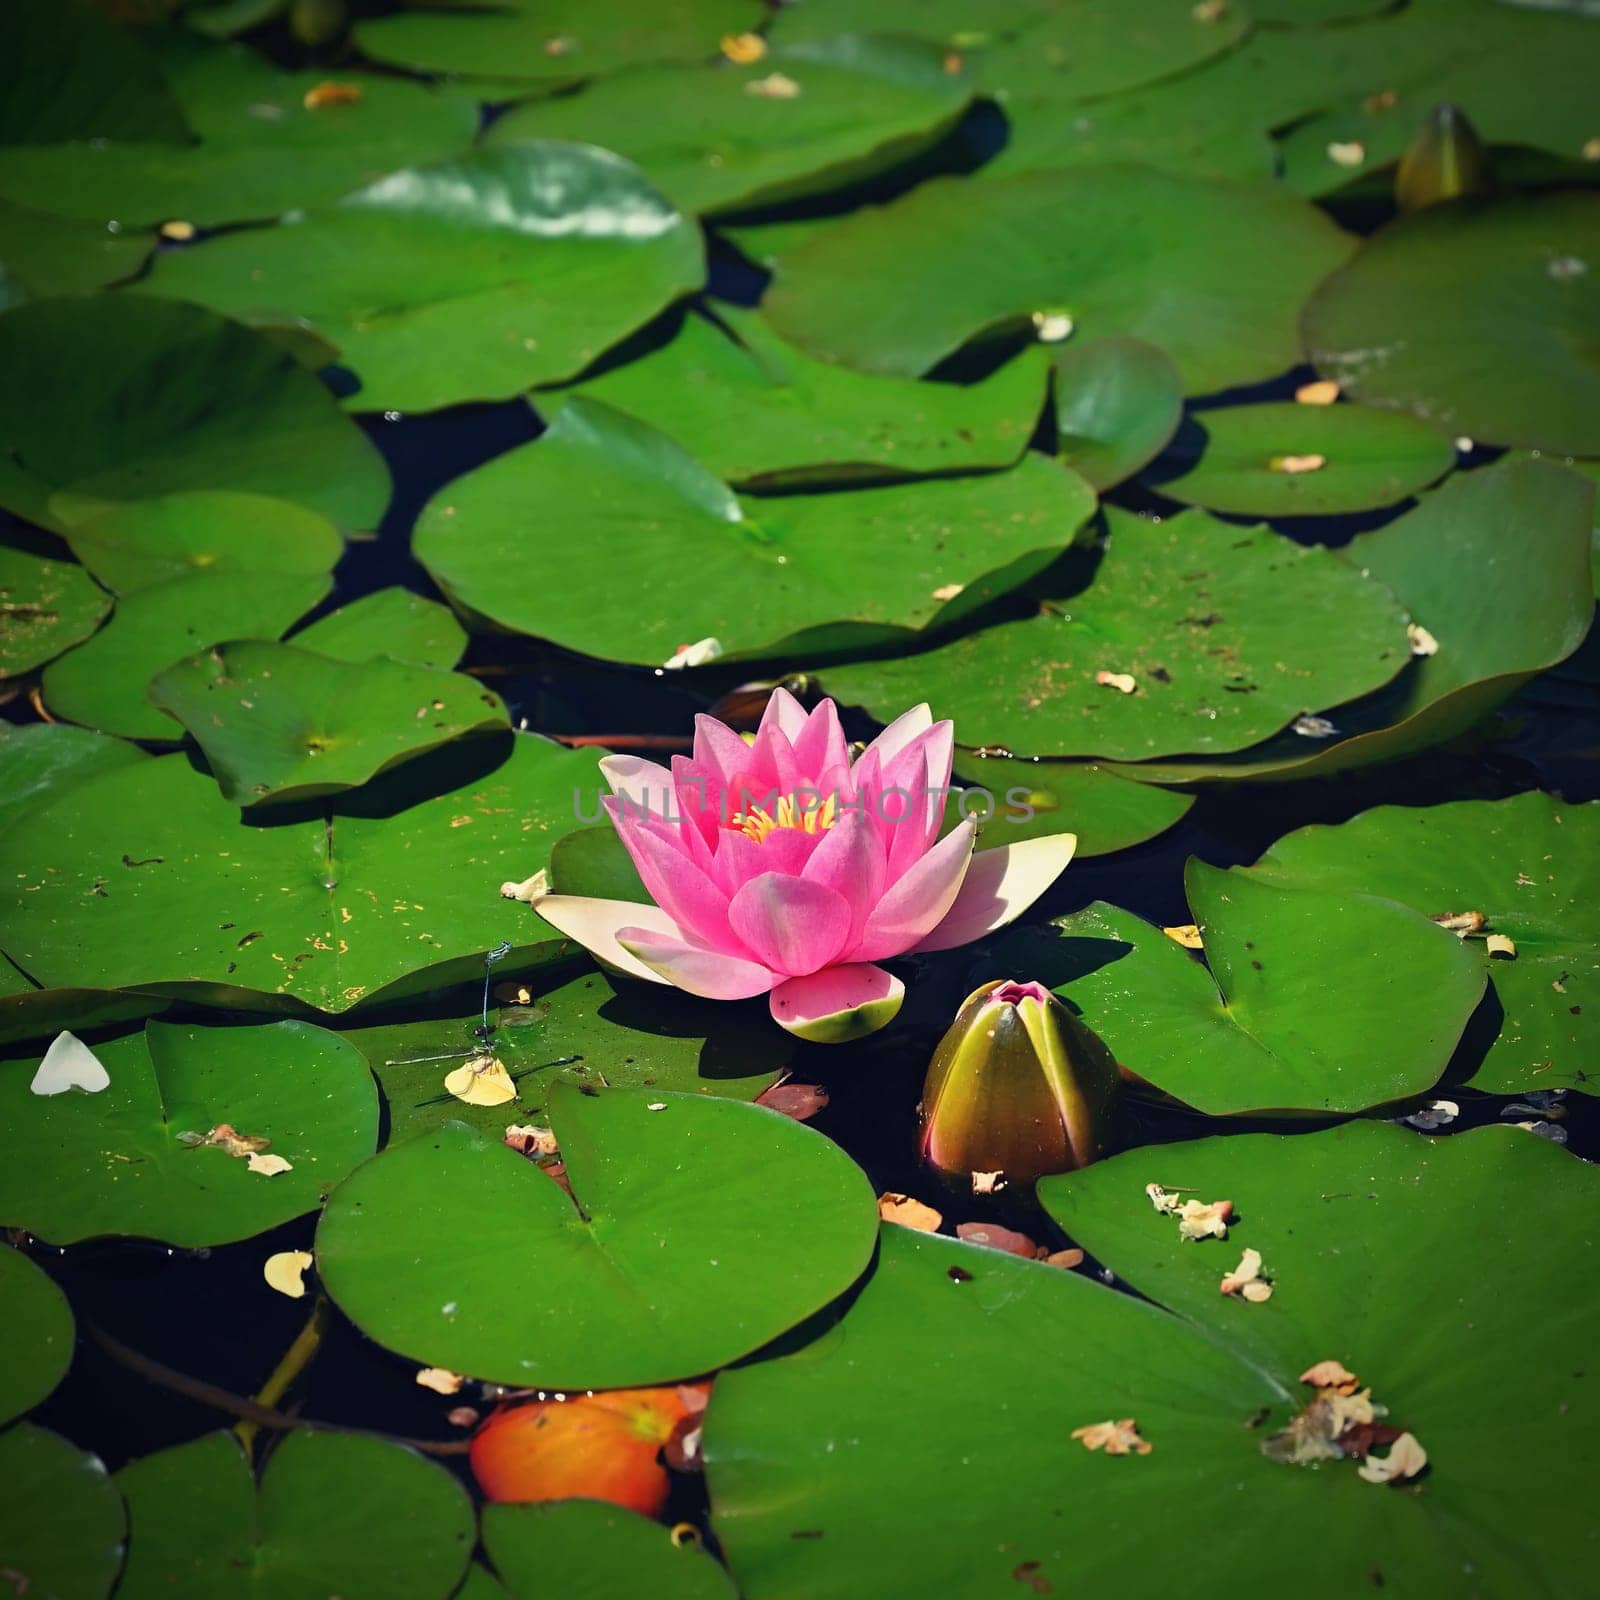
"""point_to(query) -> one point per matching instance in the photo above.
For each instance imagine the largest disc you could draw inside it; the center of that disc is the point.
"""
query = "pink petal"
(785, 850)
(697, 904)
(838, 1003)
(718, 750)
(849, 860)
(906, 727)
(707, 973)
(916, 904)
(1000, 885)
(639, 779)
(594, 923)
(792, 925)
(787, 713)
(820, 744)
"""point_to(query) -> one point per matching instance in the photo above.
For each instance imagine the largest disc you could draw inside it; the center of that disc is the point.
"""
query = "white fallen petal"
(286, 1271)
(69, 1064)
(268, 1166)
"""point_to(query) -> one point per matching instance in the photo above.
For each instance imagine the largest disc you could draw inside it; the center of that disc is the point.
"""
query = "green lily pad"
(42, 256)
(1477, 317)
(68, 74)
(585, 1030)
(756, 411)
(1313, 13)
(335, 1514)
(952, 23)
(388, 622)
(41, 761)
(1280, 459)
(1508, 95)
(1252, 1033)
(1495, 565)
(587, 1550)
(32, 1011)
(257, 149)
(126, 1159)
(687, 560)
(1531, 865)
(706, 1229)
(553, 41)
(1213, 273)
(1361, 1226)
(61, 1518)
(1228, 633)
(103, 683)
(39, 1334)
(276, 723)
(126, 397)
(713, 138)
(1118, 402)
(45, 607)
(471, 279)
(136, 543)
(148, 878)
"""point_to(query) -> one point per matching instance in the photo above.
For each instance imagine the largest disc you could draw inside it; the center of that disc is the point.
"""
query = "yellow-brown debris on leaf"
(908, 1213)
(1122, 682)
(482, 1081)
(1187, 934)
(1347, 153)
(1462, 922)
(1381, 100)
(1246, 1280)
(322, 95)
(1119, 1438)
(268, 1166)
(530, 891)
(1210, 10)
(1065, 1259)
(1321, 392)
(775, 86)
(178, 232)
(441, 1380)
(1406, 1458)
(1314, 1434)
(1332, 1375)
(530, 1139)
(947, 591)
(286, 1272)
(1052, 327)
(1422, 642)
(743, 48)
(1294, 465)
(226, 1137)
(1497, 944)
(1197, 1219)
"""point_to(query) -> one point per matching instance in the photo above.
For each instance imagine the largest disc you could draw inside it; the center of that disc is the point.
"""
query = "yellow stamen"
(813, 817)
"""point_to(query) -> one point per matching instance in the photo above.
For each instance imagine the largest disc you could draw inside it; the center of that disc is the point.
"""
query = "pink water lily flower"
(782, 867)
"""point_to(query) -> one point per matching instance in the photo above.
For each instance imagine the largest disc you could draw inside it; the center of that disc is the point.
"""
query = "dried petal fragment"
(1331, 1375)
(993, 1237)
(1115, 1438)
(1497, 944)
(531, 890)
(1436, 1114)
(697, 654)
(1462, 922)
(1200, 1219)
(988, 1182)
(1122, 682)
(286, 1271)
(530, 1139)
(178, 232)
(1321, 393)
(743, 48)
(1406, 1458)
(321, 95)
(268, 1166)
(1246, 1279)
(225, 1137)
(775, 86)
(1347, 153)
(1309, 727)
(1052, 327)
(441, 1380)
(482, 1081)
(1423, 643)
(1066, 1259)
(947, 591)
(908, 1213)
(1187, 934)
(1297, 464)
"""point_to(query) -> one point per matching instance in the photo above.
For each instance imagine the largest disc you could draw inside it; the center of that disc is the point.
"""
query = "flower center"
(814, 815)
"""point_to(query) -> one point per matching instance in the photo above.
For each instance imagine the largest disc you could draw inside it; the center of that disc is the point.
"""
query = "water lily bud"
(1445, 160)
(1018, 1086)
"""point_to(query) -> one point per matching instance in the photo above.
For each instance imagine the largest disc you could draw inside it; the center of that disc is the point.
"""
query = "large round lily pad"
(104, 683)
(335, 1514)
(263, 141)
(755, 410)
(1478, 317)
(1280, 459)
(133, 1158)
(470, 279)
(39, 1334)
(1255, 1032)
(585, 1030)
(61, 1518)
(45, 607)
(687, 560)
(136, 543)
(1228, 633)
(1118, 402)
(950, 1350)
(1531, 866)
(149, 878)
(697, 1229)
(394, 622)
(124, 397)
(40, 761)
(277, 723)
(553, 40)
(797, 122)
(44, 255)
(1495, 566)
(587, 1550)
(1213, 273)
